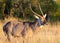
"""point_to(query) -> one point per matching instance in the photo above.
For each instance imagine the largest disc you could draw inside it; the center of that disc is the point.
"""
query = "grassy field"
(50, 33)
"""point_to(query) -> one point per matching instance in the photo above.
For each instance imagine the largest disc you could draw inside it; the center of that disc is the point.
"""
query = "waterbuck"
(19, 28)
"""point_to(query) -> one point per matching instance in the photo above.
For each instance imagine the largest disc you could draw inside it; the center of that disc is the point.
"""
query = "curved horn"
(44, 15)
(40, 9)
(34, 12)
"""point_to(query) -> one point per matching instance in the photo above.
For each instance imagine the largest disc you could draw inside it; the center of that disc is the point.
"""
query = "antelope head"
(41, 17)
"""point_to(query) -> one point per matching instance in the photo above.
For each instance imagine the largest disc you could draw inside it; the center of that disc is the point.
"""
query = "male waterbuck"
(19, 28)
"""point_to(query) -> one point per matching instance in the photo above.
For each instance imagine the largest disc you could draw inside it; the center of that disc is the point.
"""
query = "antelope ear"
(45, 15)
(36, 17)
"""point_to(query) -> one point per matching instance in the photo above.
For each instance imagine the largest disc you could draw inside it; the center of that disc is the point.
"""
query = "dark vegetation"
(20, 9)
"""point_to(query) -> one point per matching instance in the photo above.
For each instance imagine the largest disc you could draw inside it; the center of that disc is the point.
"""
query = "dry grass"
(48, 34)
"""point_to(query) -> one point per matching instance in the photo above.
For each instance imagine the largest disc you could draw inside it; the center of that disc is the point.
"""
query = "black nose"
(44, 23)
